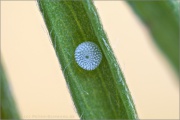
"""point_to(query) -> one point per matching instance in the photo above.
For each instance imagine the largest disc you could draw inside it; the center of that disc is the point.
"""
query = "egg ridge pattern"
(88, 55)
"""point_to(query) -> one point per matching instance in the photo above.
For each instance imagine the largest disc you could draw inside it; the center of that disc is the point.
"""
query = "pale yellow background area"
(37, 80)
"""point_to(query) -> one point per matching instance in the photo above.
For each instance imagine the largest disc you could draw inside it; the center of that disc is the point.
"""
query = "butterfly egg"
(88, 55)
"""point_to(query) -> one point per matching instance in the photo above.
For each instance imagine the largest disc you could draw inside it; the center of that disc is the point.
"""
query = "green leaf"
(8, 106)
(162, 20)
(98, 94)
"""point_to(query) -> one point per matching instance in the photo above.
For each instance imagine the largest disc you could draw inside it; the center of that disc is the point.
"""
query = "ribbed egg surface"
(88, 55)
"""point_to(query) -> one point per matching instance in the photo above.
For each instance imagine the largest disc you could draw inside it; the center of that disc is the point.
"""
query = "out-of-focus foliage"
(162, 20)
(8, 107)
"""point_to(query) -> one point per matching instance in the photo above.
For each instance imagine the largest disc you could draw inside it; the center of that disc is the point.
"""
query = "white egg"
(88, 55)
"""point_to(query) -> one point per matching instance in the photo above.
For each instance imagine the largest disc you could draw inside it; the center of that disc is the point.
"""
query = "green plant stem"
(98, 94)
